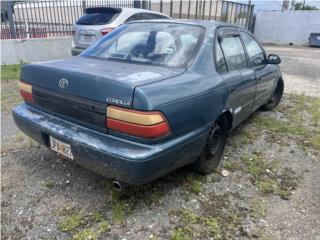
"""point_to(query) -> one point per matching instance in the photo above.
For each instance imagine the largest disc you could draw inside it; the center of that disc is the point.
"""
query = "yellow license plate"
(61, 147)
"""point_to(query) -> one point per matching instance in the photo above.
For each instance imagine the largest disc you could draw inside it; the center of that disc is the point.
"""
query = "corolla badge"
(63, 83)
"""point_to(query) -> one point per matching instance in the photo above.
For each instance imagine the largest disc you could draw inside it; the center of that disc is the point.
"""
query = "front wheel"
(276, 96)
(213, 150)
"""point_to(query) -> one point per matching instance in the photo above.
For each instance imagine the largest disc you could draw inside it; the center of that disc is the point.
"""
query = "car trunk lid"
(81, 87)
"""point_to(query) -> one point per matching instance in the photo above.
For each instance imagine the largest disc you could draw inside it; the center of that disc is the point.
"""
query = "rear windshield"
(98, 16)
(165, 44)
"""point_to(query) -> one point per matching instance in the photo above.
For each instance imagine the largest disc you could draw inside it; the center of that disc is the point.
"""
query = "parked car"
(150, 97)
(99, 21)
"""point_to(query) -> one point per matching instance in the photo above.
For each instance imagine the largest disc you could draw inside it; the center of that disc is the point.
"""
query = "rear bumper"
(112, 157)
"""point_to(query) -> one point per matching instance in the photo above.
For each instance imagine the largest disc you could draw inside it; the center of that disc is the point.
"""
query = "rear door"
(239, 77)
(88, 27)
(263, 72)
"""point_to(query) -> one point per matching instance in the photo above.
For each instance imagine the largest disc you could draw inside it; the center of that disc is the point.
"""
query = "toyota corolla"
(150, 97)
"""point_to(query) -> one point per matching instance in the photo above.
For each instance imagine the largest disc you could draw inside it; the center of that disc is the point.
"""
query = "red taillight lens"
(137, 123)
(105, 31)
(26, 91)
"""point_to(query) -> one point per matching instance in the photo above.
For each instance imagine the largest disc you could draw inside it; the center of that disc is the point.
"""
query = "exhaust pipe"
(119, 186)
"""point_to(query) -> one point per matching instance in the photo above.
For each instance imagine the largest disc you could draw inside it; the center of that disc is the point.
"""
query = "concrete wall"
(286, 27)
(35, 50)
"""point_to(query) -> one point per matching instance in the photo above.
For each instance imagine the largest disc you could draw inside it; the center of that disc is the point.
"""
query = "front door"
(239, 78)
(264, 72)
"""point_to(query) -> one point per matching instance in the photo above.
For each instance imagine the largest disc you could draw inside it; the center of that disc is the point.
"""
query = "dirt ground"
(267, 186)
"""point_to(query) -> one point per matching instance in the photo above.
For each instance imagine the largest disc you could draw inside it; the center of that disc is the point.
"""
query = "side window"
(255, 53)
(220, 61)
(233, 52)
(162, 17)
(135, 17)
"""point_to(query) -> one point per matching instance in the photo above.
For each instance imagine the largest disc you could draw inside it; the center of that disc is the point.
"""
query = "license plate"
(61, 147)
(86, 38)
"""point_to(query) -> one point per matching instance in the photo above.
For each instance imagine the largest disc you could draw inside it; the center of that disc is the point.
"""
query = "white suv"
(99, 21)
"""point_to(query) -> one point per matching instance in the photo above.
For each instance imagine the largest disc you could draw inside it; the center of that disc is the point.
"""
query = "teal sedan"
(149, 97)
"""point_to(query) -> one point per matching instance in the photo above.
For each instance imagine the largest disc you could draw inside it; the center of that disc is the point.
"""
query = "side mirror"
(274, 59)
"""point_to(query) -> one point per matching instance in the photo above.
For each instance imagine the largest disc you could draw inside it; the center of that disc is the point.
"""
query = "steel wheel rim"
(214, 142)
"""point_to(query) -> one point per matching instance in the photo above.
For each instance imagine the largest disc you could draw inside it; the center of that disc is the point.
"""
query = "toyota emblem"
(63, 83)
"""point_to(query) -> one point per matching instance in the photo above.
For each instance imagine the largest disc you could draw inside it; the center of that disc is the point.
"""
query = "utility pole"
(285, 5)
(10, 11)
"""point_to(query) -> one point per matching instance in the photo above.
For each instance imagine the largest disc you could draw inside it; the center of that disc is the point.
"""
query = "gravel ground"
(267, 186)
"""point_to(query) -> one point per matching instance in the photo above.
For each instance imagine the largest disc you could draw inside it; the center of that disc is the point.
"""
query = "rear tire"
(211, 155)
(276, 96)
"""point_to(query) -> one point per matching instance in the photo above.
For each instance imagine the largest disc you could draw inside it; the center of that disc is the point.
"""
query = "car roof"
(203, 23)
(130, 10)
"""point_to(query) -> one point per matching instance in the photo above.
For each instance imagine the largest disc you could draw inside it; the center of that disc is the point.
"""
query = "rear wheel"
(213, 150)
(276, 96)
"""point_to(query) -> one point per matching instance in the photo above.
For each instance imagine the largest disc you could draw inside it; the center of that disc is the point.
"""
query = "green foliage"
(72, 222)
(258, 208)
(49, 184)
(268, 177)
(192, 184)
(85, 234)
(182, 233)
(302, 6)
(10, 72)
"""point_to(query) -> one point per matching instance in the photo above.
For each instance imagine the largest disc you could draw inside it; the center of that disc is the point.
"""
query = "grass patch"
(268, 176)
(10, 96)
(72, 222)
(10, 72)
(301, 118)
(122, 204)
(258, 208)
(243, 136)
(84, 226)
(194, 226)
(193, 184)
(85, 234)
(217, 219)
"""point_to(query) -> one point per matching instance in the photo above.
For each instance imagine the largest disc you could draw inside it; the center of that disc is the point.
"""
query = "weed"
(85, 234)
(258, 208)
(182, 233)
(49, 184)
(97, 217)
(193, 184)
(72, 222)
(231, 166)
(103, 227)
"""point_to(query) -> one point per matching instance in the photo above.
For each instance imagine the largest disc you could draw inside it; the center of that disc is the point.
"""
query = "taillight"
(105, 31)
(137, 123)
(26, 91)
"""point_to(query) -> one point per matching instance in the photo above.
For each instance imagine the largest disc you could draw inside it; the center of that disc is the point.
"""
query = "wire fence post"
(10, 10)
(136, 4)
(84, 6)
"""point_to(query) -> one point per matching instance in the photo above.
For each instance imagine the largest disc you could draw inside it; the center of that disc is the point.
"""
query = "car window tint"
(220, 61)
(98, 16)
(135, 17)
(255, 53)
(233, 52)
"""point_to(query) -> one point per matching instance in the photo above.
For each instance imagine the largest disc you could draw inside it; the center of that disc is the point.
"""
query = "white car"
(99, 21)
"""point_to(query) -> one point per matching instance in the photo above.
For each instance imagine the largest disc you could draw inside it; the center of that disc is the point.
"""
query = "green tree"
(302, 6)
